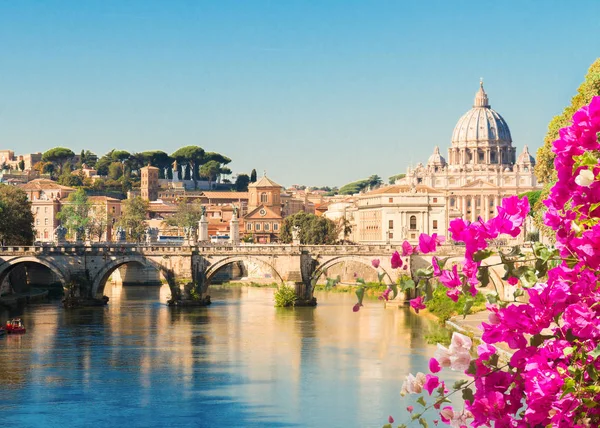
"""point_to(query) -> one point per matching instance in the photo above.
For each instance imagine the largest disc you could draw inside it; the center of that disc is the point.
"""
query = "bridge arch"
(8, 265)
(99, 282)
(330, 262)
(212, 269)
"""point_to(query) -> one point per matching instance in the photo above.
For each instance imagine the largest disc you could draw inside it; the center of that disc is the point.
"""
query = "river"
(238, 363)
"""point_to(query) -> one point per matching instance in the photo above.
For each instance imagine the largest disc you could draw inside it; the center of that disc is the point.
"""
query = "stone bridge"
(190, 269)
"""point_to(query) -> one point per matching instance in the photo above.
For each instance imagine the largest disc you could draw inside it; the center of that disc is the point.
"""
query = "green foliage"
(58, 156)
(22, 165)
(544, 169)
(133, 218)
(210, 170)
(115, 170)
(16, 218)
(534, 196)
(70, 180)
(393, 178)
(314, 230)
(241, 182)
(74, 215)
(285, 297)
(193, 156)
(354, 187)
(253, 176)
(188, 214)
(444, 308)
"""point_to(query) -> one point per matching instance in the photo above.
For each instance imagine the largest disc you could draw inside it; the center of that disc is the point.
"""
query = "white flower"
(460, 342)
(585, 178)
(413, 384)
(442, 355)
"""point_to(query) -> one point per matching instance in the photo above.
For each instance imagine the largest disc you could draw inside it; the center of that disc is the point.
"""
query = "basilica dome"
(481, 126)
(436, 159)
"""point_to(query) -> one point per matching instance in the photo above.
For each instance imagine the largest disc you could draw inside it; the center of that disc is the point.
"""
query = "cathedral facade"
(482, 166)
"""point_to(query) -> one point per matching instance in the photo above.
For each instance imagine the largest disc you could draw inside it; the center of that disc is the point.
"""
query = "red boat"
(15, 326)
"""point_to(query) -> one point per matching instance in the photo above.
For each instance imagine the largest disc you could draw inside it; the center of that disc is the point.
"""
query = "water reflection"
(240, 362)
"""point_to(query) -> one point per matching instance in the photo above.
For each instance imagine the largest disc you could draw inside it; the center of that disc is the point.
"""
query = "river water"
(238, 363)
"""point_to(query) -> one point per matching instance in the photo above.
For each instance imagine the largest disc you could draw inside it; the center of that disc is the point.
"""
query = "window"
(45, 222)
(435, 224)
(275, 226)
(257, 227)
(37, 221)
(391, 224)
(435, 200)
(249, 226)
(114, 210)
(413, 222)
(45, 209)
(391, 235)
(264, 197)
(452, 202)
(267, 226)
(391, 200)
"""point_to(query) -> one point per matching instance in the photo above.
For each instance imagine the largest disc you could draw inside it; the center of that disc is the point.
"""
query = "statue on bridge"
(295, 235)
(151, 235)
(60, 234)
(120, 234)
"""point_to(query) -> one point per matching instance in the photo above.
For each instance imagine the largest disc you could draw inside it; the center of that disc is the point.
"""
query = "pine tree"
(253, 176)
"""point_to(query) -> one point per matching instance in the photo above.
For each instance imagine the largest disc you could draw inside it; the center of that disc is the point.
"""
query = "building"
(8, 159)
(104, 212)
(264, 219)
(149, 183)
(46, 197)
(482, 166)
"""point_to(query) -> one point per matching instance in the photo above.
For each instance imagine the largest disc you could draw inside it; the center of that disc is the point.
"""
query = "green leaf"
(387, 426)
(467, 394)
(586, 159)
(518, 293)
(493, 361)
(492, 298)
(482, 255)
(471, 370)
(421, 401)
(407, 285)
(589, 403)
(483, 275)
(424, 272)
(360, 281)
(360, 294)
(459, 384)
(568, 351)
(596, 352)
(527, 276)
(394, 288)
(423, 423)
(467, 308)
(415, 416)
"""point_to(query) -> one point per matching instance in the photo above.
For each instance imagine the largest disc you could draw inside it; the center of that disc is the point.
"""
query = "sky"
(319, 93)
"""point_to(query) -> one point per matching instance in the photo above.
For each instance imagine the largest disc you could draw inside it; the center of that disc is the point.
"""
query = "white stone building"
(482, 166)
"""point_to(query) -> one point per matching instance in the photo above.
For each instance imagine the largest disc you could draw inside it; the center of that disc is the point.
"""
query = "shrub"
(285, 296)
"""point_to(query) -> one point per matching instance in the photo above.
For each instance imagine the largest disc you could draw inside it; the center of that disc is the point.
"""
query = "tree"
(241, 182)
(314, 230)
(354, 187)
(253, 176)
(58, 156)
(22, 165)
(159, 159)
(187, 215)
(210, 170)
(345, 228)
(544, 168)
(70, 180)
(393, 178)
(90, 158)
(133, 218)
(374, 181)
(192, 156)
(99, 221)
(75, 214)
(104, 162)
(16, 218)
(115, 171)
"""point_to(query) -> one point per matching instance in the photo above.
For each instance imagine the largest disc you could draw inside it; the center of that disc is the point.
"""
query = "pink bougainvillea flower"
(375, 263)
(434, 365)
(417, 304)
(440, 239)
(451, 279)
(396, 260)
(386, 294)
(410, 409)
(407, 249)
(436, 267)
(513, 280)
(390, 419)
(356, 307)
(427, 244)
(431, 383)
(413, 384)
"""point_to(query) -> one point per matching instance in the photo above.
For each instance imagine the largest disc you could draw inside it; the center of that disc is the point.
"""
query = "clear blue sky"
(315, 92)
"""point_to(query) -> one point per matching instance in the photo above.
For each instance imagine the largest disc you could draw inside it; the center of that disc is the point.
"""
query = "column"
(482, 208)
(203, 229)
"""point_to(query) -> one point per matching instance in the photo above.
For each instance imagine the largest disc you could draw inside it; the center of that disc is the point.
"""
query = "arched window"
(264, 197)
(413, 222)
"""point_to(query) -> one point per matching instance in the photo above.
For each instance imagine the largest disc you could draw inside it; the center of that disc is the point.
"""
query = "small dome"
(525, 158)
(436, 159)
(481, 125)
